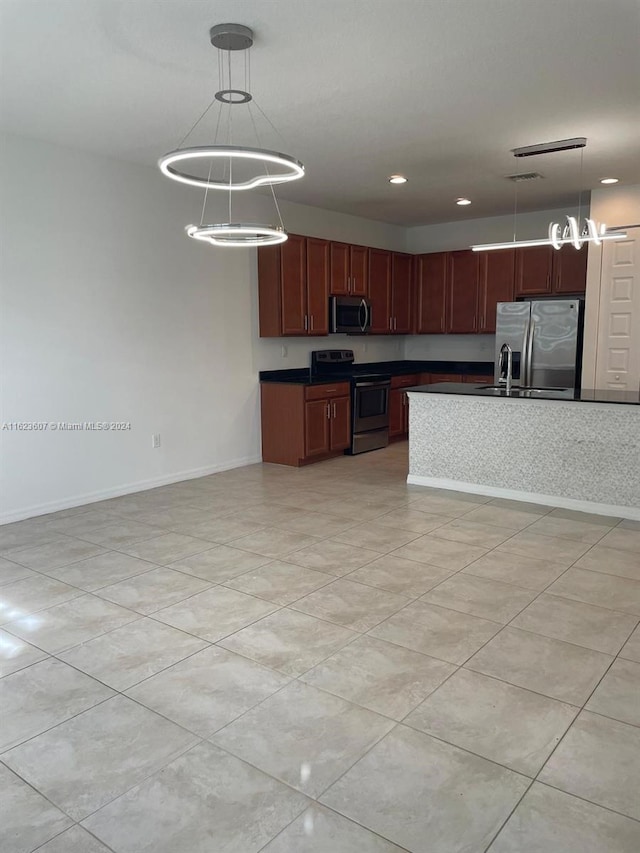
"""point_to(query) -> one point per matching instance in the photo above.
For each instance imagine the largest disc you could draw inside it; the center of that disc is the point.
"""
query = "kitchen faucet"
(506, 377)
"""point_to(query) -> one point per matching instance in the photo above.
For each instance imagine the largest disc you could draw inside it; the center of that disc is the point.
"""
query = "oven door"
(349, 315)
(370, 406)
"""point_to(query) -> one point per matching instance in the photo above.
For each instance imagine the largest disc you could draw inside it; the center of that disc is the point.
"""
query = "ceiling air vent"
(525, 176)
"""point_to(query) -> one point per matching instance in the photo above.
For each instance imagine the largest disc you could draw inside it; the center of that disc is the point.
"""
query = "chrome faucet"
(506, 377)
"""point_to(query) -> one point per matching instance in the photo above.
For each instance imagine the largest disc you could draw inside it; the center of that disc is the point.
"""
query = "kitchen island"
(577, 450)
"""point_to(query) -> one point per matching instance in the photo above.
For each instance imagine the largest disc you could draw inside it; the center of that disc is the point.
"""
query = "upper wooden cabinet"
(431, 283)
(447, 292)
(380, 291)
(348, 270)
(542, 270)
(534, 267)
(497, 270)
(461, 310)
(390, 292)
(436, 293)
(401, 270)
(569, 270)
(293, 287)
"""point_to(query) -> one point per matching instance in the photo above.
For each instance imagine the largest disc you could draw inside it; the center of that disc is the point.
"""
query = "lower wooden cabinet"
(399, 404)
(478, 380)
(304, 423)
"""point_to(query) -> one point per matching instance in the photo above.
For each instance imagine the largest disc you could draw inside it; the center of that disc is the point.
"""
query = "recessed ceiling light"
(463, 201)
(397, 179)
(609, 180)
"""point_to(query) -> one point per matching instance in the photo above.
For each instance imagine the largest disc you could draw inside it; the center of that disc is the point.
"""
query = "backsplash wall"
(450, 347)
(268, 351)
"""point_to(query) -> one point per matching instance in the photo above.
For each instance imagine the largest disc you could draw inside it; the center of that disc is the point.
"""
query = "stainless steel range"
(369, 397)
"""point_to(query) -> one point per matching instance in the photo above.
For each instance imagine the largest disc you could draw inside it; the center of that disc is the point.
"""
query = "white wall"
(110, 313)
(447, 236)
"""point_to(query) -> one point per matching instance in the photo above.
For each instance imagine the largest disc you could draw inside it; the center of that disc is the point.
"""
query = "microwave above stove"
(349, 315)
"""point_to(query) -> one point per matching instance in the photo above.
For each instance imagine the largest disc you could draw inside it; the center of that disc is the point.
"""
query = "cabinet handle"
(328, 412)
(391, 323)
(349, 284)
(395, 324)
(333, 406)
(306, 323)
(312, 322)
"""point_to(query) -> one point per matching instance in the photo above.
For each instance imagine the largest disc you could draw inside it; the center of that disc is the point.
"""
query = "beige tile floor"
(322, 660)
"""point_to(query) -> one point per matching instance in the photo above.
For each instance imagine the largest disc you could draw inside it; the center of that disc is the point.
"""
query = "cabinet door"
(405, 413)
(359, 270)
(401, 268)
(340, 428)
(318, 286)
(570, 270)
(316, 427)
(497, 271)
(293, 283)
(380, 290)
(462, 307)
(339, 269)
(396, 412)
(431, 288)
(533, 270)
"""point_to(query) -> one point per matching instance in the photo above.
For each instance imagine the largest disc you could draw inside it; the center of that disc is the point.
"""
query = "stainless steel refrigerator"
(546, 339)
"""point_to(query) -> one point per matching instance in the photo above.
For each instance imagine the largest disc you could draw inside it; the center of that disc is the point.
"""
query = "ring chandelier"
(226, 166)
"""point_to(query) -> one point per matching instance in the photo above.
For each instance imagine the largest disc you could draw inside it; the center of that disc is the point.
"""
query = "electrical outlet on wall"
(155, 440)
(285, 351)
(364, 346)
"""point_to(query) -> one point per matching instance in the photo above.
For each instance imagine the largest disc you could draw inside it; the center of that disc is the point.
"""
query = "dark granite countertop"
(301, 375)
(604, 395)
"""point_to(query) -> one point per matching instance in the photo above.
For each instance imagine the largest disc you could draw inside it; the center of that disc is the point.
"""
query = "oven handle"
(373, 384)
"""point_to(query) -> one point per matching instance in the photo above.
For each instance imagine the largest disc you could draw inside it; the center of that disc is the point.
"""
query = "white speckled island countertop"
(577, 450)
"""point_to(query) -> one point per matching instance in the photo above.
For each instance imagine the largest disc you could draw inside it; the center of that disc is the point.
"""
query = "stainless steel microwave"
(349, 315)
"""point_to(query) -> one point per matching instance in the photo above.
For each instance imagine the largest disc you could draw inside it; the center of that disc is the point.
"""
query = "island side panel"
(569, 450)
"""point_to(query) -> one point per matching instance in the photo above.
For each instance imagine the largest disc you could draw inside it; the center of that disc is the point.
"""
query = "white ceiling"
(439, 90)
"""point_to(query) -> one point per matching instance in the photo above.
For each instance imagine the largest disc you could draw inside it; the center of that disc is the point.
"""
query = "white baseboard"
(527, 497)
(125, 489)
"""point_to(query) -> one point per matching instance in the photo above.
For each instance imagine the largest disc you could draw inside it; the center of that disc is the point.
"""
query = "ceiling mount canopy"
(225, 165)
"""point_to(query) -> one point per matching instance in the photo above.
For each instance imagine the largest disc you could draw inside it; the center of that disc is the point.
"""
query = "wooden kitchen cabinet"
(497, 271)
(401, 271)
(431, 286)
(543, 270)
(390, 292)
(569, 270)
(380, 291)
(534, 268)
(445, 377)
(461, 309)
(304, 423)
(293, 287)
(349, 270)
(399, 404)
(478, 379)
(340, 423)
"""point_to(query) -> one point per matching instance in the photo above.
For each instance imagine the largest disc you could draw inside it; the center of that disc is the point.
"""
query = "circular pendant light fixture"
(292, 169)
(225, 166)
(236, 234)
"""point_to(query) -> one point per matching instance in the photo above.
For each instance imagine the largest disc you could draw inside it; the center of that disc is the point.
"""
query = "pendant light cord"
(515, 209)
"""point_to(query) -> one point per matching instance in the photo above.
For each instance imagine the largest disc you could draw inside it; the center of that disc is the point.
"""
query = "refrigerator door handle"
(529, 353)
(524, 363)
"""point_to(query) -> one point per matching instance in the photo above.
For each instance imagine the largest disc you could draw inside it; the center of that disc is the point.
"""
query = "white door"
(618, 352)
